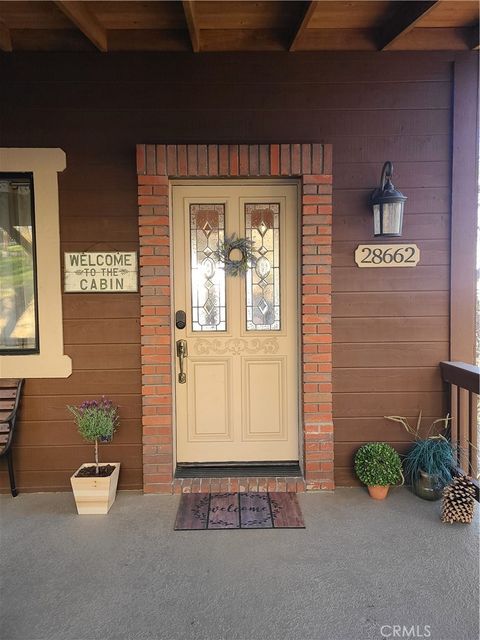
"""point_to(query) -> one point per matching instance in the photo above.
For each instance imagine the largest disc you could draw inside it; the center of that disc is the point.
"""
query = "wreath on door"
(236, 267)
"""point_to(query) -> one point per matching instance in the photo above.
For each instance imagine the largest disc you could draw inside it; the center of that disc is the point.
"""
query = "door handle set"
(182, 353)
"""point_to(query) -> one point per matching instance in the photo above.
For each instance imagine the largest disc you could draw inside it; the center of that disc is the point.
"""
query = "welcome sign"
(101, 272)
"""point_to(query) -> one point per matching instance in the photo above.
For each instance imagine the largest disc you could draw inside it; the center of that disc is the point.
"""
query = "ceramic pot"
(378, 492)
(428, 486)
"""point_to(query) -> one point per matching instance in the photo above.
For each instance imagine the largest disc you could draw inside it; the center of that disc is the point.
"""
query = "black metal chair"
(10, 392)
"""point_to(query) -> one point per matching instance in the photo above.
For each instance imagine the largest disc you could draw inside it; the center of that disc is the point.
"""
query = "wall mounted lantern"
(387, 204)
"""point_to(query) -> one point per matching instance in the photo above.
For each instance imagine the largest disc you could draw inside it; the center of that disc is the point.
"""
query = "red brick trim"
(156, 164)
(207, 485)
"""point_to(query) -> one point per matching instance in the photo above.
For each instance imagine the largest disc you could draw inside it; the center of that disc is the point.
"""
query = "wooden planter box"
(95, 495)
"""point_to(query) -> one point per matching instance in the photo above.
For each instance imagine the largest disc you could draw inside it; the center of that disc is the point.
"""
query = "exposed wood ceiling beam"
(474, 39)
(193, 29)
(5, 38)
(81, 16)
(402, 21)
(304, 22)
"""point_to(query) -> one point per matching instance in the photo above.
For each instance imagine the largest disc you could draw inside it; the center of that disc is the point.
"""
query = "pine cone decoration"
(458, 500)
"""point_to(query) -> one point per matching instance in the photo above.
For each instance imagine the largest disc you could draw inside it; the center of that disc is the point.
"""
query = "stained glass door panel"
(207, 230)
(262, 281)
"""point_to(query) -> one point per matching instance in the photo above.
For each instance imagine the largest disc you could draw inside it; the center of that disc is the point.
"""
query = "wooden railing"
(464, 382)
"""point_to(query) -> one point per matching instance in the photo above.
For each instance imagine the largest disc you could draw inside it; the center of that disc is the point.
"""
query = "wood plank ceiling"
(239, 25)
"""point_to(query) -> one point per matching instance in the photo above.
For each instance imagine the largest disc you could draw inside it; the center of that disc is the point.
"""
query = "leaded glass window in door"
(207, 230)
(262, 282)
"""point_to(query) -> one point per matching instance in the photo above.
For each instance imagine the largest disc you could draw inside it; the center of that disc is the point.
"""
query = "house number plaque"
(387, 255)
(101, 272)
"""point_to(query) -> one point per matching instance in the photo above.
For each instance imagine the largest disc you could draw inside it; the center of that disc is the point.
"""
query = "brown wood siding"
(390, 326)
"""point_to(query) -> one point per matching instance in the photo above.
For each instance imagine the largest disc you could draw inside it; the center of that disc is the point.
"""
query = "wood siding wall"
(391, 327)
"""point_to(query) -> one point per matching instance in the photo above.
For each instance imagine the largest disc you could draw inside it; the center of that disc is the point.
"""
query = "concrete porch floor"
(359, 565)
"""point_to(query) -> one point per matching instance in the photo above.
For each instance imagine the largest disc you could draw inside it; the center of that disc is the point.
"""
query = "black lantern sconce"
(387, 204)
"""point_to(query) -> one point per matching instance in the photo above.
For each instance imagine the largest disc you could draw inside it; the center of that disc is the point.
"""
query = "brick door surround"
(156, 166)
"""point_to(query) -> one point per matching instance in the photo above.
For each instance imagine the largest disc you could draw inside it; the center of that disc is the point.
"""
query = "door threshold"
(238, 470)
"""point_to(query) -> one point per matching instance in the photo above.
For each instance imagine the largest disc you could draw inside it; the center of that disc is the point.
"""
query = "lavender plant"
(96, 421)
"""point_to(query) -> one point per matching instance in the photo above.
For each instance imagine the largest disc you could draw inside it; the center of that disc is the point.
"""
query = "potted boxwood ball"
(378, 465)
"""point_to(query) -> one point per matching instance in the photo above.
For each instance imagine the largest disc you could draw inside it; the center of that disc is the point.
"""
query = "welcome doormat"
(200, 511)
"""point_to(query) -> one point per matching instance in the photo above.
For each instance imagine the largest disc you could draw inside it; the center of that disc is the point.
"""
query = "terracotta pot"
(378, 492)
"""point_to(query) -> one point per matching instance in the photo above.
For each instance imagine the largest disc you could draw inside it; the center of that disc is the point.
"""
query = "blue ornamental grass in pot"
(429, 462)
(378, 465)
(95, 485)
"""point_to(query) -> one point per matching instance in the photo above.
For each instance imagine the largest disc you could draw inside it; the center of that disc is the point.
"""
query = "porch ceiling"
(239, 25)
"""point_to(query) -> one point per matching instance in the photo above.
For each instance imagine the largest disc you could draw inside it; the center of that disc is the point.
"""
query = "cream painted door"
(239, 400)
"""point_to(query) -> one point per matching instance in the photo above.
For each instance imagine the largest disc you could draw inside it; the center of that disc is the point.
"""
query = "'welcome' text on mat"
(200, 511)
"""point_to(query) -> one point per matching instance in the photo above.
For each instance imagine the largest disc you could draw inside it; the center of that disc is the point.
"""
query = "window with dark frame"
(18, 282)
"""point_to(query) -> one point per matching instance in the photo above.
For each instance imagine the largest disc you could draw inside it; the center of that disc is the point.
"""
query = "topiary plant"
(378, 464)
(96, 420)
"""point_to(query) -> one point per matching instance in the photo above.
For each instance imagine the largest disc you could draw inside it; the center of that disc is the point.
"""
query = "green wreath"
(236, 267)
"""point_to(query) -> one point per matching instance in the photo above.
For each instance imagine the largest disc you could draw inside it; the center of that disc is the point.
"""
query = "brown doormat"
(199, 511)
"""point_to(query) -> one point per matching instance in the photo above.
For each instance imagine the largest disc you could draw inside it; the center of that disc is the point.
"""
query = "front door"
(236, 357)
